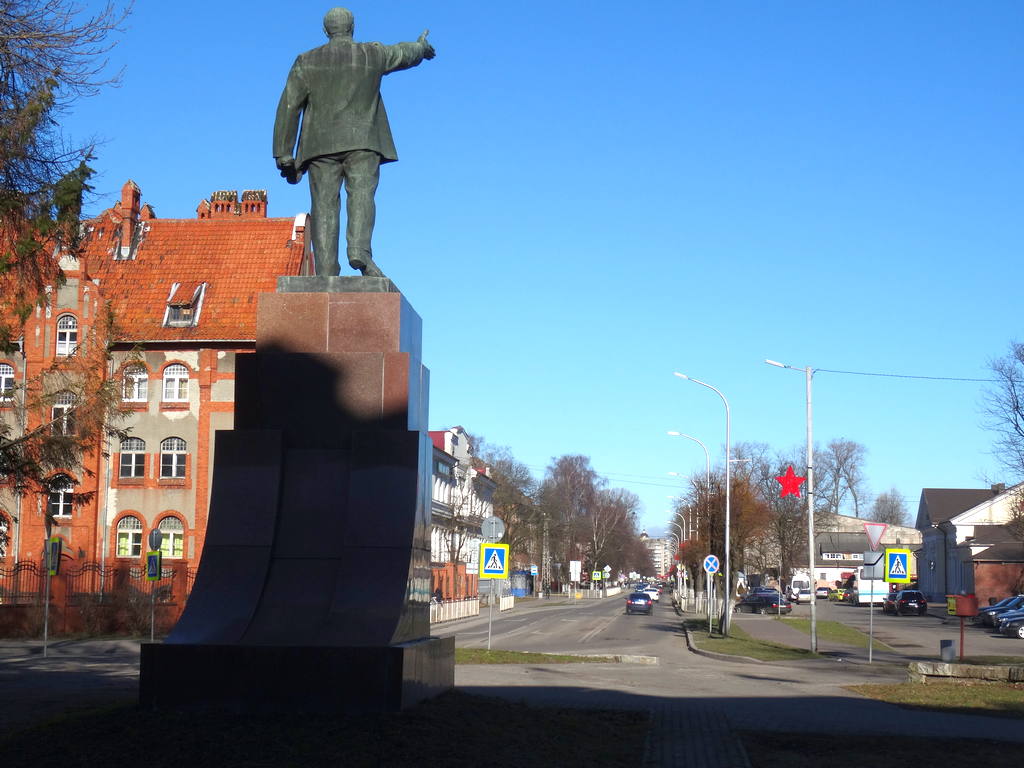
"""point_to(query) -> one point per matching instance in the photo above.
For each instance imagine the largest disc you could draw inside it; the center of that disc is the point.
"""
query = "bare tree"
(839, 475)
(889, 507)
(51, 53)
(1003, 409)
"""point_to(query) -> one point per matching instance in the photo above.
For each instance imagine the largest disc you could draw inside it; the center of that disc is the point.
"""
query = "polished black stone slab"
(351, 679)
(314, 584)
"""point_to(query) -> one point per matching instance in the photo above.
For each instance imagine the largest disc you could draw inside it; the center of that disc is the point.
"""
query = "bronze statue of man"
(335, 89)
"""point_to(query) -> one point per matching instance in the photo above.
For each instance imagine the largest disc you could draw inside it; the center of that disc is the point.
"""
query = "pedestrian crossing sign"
(494, 561)
(897, 566)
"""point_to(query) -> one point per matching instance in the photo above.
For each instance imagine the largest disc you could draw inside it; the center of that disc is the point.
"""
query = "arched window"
(67, 335)
(6, 382)
(62, 414)
(173, 454)
(58, 499)
(136, 384)
(133, 458)
(173, 544)
(175, 383)
(129, 537)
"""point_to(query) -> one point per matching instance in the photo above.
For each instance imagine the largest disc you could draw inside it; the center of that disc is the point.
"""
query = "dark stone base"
(254, 678)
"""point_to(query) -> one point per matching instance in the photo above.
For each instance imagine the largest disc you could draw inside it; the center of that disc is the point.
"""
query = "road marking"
(601, 627)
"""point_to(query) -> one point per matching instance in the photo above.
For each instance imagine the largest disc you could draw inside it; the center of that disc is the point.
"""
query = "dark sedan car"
(639, 602)
(905, 601)
(763, 603)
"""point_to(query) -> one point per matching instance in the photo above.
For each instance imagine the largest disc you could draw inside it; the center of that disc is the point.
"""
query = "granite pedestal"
(314, 587)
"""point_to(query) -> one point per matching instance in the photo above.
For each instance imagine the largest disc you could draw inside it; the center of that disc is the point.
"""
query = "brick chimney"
(224, 204)
(254, 203)
(131, 199)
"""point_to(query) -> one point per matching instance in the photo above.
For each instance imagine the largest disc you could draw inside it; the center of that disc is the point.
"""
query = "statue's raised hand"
(429, 52)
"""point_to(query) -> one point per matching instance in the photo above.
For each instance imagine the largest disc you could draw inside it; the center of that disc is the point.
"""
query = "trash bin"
(947, 650)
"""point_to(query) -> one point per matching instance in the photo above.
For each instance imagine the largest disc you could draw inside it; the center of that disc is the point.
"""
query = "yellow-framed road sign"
(897, 566)
(494, 561)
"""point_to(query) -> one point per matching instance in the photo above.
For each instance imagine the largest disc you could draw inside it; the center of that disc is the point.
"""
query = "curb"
(617, 658)
(713, 654)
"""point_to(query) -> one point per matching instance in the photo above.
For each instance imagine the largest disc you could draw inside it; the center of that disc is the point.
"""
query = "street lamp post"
(678, 563)
(707, 456)
(707, 466)
(809, 375)
(727, 613)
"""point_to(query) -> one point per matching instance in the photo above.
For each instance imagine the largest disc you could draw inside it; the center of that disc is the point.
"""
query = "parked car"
(837, 594)
(989, 609)
(991, 615)
(803, 596)
(1013, 628)
(905, 601)
(639, 602)
(821, 593)
(763, 603)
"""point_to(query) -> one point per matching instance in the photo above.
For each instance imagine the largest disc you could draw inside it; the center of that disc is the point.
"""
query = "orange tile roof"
(237, 258)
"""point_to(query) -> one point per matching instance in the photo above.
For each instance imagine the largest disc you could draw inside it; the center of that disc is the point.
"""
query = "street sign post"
(493, 565)
(710, 568)
(492, 528)
(897, 566)
(494, 561)
(51, 553)
(873, 568)
(875, 531)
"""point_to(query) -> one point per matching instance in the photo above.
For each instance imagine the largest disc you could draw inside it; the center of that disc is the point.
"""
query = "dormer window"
(184, 304)
(180, 314)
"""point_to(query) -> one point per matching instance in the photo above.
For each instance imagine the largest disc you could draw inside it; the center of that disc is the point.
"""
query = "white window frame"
(5, 534)
(58, 499)
(173, 544)
(61, 414)
(176, 450)
(67, 335)
(6, 383)
(131, 528)
(175, 383)
(135, 387)
(134, 450)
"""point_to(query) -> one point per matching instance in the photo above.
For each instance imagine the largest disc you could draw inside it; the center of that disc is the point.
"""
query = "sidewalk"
(770, 629)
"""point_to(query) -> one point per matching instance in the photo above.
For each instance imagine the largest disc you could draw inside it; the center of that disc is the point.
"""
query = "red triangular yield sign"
(875, 531)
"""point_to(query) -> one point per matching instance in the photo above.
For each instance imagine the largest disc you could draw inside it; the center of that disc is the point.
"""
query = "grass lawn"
(1000, 699)
(483, 656)
(813, 750)
(836, 632)
(739, 643)
(453, 730)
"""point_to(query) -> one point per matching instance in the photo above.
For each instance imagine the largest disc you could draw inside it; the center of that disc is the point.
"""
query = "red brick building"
(184, 293)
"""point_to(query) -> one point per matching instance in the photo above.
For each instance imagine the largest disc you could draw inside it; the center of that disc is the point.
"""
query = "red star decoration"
(790, 483)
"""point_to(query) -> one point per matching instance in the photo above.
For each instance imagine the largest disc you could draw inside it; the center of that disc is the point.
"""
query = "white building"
(461, 497)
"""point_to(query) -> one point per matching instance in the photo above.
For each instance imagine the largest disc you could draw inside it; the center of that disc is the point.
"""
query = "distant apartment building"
(662, 553)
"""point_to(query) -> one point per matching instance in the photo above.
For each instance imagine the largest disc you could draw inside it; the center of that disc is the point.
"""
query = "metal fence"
(450, 610)
(25, 583)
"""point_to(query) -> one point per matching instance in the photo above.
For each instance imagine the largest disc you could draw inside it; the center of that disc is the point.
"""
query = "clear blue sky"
(591, 195)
